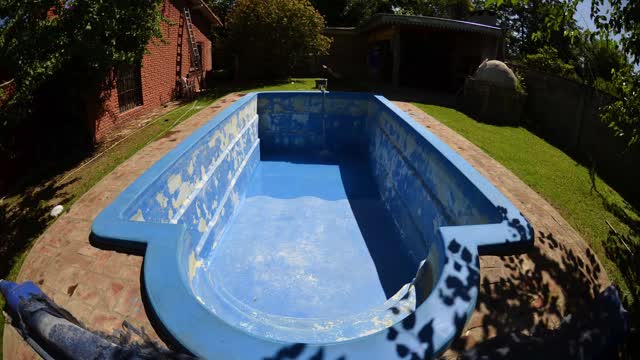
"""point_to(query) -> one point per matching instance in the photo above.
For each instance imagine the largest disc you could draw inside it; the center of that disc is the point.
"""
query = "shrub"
(623, 115)
(547, 60)
(61, 55)
(521, 86)
(606, 86)
(601, 56)
(271, 36)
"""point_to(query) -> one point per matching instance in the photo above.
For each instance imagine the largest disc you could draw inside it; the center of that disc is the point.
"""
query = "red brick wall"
(160, 67)
(8, 88)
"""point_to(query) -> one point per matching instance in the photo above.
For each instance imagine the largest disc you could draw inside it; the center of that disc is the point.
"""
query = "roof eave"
(427, 21)
(206, 11)
(335, 30)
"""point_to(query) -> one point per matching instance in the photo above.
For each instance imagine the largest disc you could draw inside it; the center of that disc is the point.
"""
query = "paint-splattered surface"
(308, 249)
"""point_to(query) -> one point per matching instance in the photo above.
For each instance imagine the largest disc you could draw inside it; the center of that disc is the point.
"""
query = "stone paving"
(102, 288)
(558, 276)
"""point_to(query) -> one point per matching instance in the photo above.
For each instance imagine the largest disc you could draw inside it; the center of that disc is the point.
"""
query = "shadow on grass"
(626, 213)
(24, 219)
(627, 258)
(624, 251)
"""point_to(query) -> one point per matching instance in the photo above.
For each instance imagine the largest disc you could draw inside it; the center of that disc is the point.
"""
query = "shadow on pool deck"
(530, 297)
(22, 221)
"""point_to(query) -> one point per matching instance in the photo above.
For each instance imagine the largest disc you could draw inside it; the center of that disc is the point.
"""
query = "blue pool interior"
(310, 211)
(313, 235)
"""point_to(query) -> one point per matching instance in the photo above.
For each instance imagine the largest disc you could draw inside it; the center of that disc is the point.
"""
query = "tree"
(359, 11)
(601, 57)
(221, 8)
(271, 36)
(334, 12)
(67, 49)
(39, 39)
(354, 12)
(623, 19)
(451, 9)
(527, 26)
(595, 60)
(611, 17)
(546, 59)
(623, 116)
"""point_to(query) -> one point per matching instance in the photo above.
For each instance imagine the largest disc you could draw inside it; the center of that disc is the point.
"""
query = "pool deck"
(102, 287)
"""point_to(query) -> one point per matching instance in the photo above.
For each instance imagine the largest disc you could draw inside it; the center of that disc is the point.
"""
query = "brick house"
(7, 88)
(140, 89)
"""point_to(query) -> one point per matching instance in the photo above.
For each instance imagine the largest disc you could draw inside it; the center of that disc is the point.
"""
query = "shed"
(413, 51)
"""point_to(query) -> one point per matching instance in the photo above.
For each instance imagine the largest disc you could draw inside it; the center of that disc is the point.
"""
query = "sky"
(583, 17)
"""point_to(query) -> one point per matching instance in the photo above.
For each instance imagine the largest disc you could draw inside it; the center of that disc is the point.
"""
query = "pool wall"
(447, 211)
(422, 188)
(302, 121)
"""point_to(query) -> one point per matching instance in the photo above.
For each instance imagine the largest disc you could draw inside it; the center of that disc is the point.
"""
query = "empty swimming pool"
(312, 224)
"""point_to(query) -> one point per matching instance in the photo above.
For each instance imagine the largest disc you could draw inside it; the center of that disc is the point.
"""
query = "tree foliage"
(623, 19)
(61, 54)
(601, 57)
(359, 11)
(40, 38)
(271, 36)
(546, 59)
(451, 9)
(597, 60)
(354, 12)
(221, 7)
(349, 12)
(623, 115)
(528, 28)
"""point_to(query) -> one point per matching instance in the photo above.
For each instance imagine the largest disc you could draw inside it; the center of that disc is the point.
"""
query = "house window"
(129, 83)
(199, 47)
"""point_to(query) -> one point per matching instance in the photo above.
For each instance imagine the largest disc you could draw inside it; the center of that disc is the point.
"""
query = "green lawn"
(24, 211)
(566, 185)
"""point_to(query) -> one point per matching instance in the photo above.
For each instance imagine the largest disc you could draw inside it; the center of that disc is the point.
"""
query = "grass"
(567, 186)
(24, 211)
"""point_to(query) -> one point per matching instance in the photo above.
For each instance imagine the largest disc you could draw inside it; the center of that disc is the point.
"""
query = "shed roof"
(379, 20)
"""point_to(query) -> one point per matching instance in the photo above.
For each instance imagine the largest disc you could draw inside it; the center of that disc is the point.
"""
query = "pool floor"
(312, 239)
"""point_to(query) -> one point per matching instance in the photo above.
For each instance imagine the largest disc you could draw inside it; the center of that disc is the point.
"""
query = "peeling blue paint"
(306, 223)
